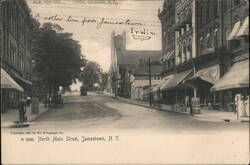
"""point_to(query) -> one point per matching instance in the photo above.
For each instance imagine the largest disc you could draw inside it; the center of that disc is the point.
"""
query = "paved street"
(101, 112)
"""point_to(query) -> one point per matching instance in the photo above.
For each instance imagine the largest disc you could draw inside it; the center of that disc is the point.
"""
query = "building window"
(235, 43)
(184, 51)
(1, 40)
(189, 47)
(225, 5)
(201, 14)
(207, 10)
(216, 8)
(236, 2)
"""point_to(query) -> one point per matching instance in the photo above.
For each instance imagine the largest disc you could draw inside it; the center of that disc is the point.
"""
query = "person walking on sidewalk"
(190, 105)
(22, 111)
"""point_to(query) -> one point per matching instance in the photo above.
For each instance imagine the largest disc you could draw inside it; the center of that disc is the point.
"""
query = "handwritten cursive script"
(142, 34)
(85, 20)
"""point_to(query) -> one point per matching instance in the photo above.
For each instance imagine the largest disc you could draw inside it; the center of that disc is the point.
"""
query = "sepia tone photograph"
(124, 81)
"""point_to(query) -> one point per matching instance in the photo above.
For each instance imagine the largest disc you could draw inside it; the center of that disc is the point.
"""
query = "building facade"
(16, 47)
(210, 36)
(235, 53)
(178, 43)
(130, 70)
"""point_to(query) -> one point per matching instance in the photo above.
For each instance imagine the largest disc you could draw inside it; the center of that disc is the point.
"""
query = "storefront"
(235, 81)
(9, 90)
(202, 81)
(174, 92)
(140, 89)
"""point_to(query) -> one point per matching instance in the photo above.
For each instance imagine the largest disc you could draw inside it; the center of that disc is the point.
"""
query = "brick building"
(210, 36)
(16, 47)
(234, 55)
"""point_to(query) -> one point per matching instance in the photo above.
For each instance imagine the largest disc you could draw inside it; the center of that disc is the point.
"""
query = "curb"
(154, 108)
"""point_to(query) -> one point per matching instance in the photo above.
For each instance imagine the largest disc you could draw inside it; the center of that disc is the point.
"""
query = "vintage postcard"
(124, 81)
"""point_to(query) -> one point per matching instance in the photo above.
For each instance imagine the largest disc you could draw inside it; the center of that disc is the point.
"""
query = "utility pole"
(149, 77)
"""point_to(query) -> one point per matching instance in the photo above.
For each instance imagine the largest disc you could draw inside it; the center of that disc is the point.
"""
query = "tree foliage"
(57, 56)
(91, 74)
(104, 81)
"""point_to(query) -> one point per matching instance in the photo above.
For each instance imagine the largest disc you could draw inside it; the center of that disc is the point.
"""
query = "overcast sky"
(95, 40)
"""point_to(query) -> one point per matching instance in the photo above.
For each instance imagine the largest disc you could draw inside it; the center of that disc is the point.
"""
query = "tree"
(91, 74)
(104, 80)
(57, 57)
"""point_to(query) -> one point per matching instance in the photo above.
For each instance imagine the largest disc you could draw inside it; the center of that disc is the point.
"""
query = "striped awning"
(244, 29)
(8, 82)
(234, 32)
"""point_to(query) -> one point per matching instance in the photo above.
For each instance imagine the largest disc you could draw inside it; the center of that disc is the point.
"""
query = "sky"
(138, 18)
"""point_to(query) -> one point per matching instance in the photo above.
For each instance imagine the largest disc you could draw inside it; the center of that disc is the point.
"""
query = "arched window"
(184, 50)
(189, 47)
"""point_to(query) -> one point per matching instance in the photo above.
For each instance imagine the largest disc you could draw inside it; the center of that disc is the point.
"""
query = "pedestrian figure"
(50, 101)
(28, 101)
(22, 111)
(190, 105)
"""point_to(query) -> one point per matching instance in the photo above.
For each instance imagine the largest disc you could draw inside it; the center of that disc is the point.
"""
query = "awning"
(176, 80)
(209, 74)
(244, 29)
(8, 82)
(155, 88)
(165, 81)
(235, 31)
(236, 77)
(22, 79)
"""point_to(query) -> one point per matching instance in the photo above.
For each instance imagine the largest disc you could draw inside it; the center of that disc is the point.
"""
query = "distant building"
(16, 46)
(130, 69)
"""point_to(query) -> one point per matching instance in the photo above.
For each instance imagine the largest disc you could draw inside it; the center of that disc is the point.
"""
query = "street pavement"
(102, 112)
(147, 135)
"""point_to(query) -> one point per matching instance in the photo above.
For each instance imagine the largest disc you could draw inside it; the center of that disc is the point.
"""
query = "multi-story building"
(167, 17)
(210, 36)
(1, 32)
(178, 43)
(234, 55)
(130, 69)
(16, 49)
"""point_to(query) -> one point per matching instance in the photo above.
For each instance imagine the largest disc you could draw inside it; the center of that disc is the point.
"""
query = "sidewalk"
(161, 107)
(12, 115)
(205, 115)
(219, 116)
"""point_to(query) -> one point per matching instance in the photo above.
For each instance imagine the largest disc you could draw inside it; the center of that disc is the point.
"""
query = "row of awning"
(239, 30)
(236, 77)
